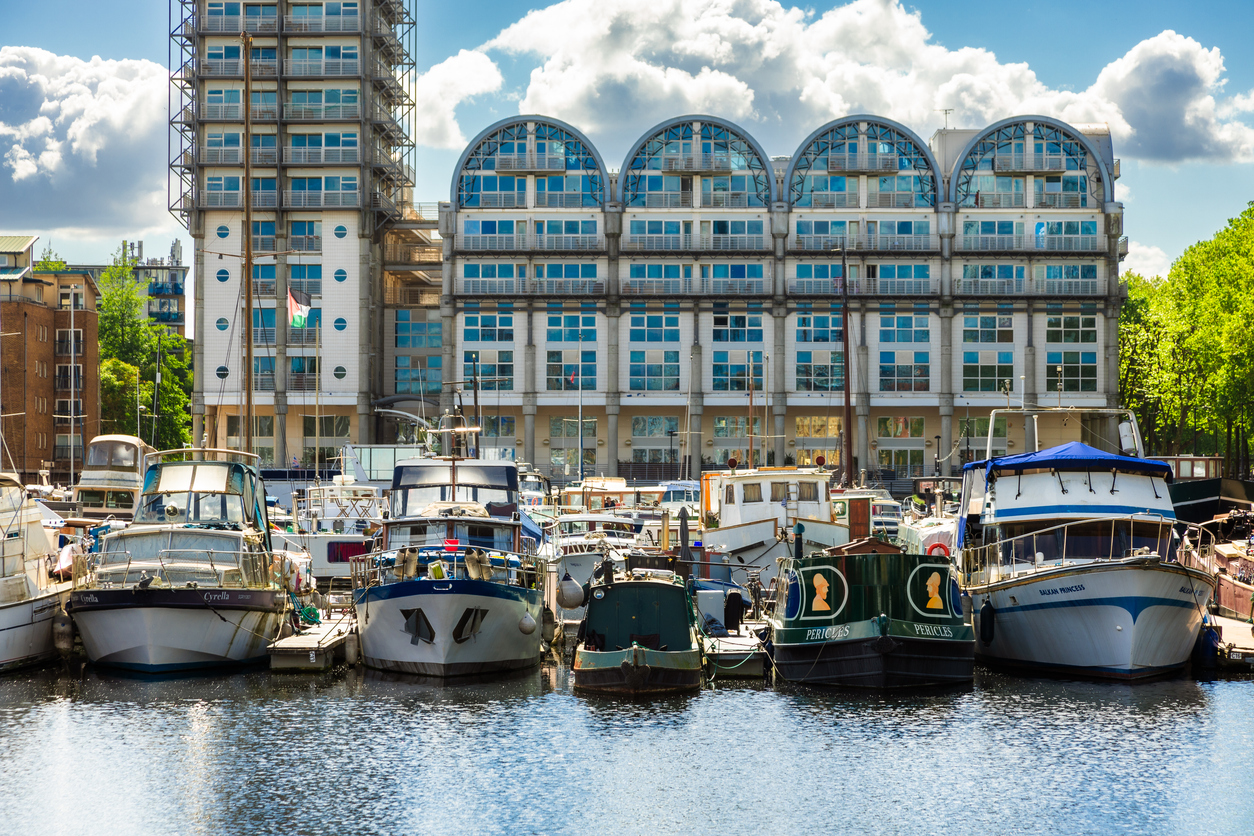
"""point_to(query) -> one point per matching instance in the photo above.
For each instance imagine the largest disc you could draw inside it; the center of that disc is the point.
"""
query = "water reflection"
(359, 751)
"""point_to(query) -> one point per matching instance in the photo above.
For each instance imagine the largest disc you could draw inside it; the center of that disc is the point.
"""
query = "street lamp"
(671, 456)
(938, 440)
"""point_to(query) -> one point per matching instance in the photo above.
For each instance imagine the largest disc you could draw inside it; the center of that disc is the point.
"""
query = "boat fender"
(935, 547)
(350, 650)
(733, 609)
(987, 614)
(527, 624)
(548, 628)
(570, 594)
(63, 633)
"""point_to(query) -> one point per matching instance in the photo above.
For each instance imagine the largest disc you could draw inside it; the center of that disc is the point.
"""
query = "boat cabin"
(608, 492)
(651, 611)
(417, 483)
(342, 506)
(783, 494)
(581, 532)
(112, 476)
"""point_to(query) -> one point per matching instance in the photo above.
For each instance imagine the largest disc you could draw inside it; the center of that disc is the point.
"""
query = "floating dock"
(737, 656)
(317, 648)
(1236, 651)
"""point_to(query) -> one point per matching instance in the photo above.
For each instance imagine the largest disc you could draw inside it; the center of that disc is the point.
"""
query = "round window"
(341, 275)
(341, 231)
(223, 275)
(340, 372)
(224, 231)
(222, 323)
(341, 323)
(223, 371)
(599, 594)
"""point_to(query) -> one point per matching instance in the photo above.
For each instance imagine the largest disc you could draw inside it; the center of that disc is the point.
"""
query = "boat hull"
(161, 630)
(1126, 619)
(882, 662)
(26, 630)
(448, 628)
(636, 671)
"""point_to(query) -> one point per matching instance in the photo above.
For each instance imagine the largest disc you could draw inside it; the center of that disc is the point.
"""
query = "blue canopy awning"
(1070, 456)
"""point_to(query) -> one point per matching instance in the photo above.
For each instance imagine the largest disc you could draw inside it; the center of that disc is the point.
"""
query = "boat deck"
(316, 648)
(1237, 652)
(738, 656)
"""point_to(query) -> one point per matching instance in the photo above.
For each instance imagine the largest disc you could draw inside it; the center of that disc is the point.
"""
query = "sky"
(84, 92)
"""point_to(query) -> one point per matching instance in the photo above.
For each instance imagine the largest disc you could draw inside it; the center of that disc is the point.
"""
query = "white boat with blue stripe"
(457, 585)
(1073, 565)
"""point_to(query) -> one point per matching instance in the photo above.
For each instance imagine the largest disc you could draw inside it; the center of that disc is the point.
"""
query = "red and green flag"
(298, 304)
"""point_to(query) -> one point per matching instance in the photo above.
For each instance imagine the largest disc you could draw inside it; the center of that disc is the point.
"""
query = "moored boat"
(639, 635)
(867, 615)
(191, 582)
(29, 598)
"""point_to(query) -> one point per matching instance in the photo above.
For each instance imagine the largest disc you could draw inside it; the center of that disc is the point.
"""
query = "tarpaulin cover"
(1070, 456)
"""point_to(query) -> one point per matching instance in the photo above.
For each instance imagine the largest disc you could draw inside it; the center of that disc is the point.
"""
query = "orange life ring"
(932, 549)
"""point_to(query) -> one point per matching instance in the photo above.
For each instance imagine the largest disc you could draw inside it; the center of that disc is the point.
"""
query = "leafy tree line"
(1186, 350)
(130, 345)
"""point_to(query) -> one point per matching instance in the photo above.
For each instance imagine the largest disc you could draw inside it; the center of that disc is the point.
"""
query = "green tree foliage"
(130, 341)
(1186, 349)
(49, 262)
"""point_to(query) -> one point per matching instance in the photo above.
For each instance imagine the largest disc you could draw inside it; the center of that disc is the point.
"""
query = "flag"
(572, 376)
(298, 304)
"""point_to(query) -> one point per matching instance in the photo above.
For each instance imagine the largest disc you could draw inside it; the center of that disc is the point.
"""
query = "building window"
(904, 371)
(496, 369)
(306, 278)
(818, 435)
(489, 328)
(818, 328)
(731, 371)
(571, 370)
(910, 328)
(1076, 370)
(894, 426)
(321, 429)
(654, 371)
(820, 371)
(564, 441)
(654, 439)
(412, 331)
(992, 278)
(1071, 329)
(572, 328)
(988, 371)
(655, 328)
(498, 426)
(734, 278)
(1067, 278)
(988, 328)
(67, 344)
(973, 438)
(418, 375)
(731, 435)
(64, 378)
(737, 328)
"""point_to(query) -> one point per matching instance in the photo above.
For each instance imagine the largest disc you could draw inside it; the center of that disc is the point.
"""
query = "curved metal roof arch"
(703, 119)
(1108, 186)
(523, 119)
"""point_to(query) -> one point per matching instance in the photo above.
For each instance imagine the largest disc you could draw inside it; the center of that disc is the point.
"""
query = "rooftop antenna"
(946, 111)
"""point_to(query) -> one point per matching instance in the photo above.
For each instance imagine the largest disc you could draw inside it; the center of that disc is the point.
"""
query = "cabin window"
(730, 495)
(753, 492)
(779, 491)
(807, 491)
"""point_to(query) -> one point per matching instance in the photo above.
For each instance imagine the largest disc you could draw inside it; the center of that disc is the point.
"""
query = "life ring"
(931, 550)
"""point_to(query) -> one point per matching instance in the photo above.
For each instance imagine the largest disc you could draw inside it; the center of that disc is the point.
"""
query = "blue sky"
(1181, 105)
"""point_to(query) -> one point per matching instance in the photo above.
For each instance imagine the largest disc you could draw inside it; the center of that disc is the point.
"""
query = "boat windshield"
(531, 484)
(115, 454)
(1105, 539)
(681, 496)
(889, 511)
(416, 487)
(10, 498)
(197, 492)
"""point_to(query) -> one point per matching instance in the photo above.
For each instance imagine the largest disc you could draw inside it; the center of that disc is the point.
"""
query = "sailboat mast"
(749, 356)
(247, 417)
(847, 453)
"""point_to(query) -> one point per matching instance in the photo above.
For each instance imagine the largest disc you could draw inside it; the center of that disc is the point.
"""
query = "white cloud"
(1147, 260)
(620, 66)
(442, 88)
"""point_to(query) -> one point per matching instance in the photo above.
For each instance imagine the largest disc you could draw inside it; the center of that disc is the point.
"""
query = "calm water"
(354, 752)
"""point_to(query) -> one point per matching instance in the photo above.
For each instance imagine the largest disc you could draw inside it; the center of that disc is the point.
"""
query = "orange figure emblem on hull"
(933, 591)
(821, 585)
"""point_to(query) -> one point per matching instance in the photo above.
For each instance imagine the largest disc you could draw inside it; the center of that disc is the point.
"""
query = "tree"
(125, 333)
(50, 262)
(118, 407)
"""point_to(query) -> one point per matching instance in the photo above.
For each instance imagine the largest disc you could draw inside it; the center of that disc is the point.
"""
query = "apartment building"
(322, 162)
(691, 299)
(49, 365)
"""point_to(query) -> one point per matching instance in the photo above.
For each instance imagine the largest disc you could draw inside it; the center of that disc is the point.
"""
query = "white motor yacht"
(29, 598)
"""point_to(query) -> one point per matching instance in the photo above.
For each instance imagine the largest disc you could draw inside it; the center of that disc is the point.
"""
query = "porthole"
(223, 371)
(341, 231)
(341, 275)
(340, 372)
(224, 231)
(341, 323)
(223, 275)
(222, 323)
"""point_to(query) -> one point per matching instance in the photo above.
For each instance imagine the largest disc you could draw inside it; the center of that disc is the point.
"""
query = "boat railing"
(173, 568)
(1057, 546)
(418, 562)
(208, 454)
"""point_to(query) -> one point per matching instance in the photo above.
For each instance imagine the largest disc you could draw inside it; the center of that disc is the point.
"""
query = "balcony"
(822, 243)
(657, 242)
(668, 200)
(1123, 248)
(694, 162)
(302, 336)
(895, 200)
(735, 287)
(995, 200)
(724, 200)
(265, 156)
(482, 243)
(327, 67)
(1033, 243)
(863, 162)
(530, 162)
(1061, 200)
(263, 336)
(562, 200)
(900, 243)
(165, 316)
(1067, 287)
(265, 200)
(990, 287)
(350, 112)
(234, 24)
(734, 242)
(305, 243)
(263, 243)
(221, 66)
(263, 381)
(896, 287)
(1033, 287)
(321, 156)
(567, 287)
(1008, 162)
(501, 200)
(302, 382)
(63, 452)
(834, 200)
(264, 288)
(316, 200)
(165, 289)
(234, 111)
(1048, 162)
(657, 287)
(311, 286)
(490, 286)
(63, 348)
(64, 381)
(221, 156)
(319, 23)
(221, 200)
(573, 243)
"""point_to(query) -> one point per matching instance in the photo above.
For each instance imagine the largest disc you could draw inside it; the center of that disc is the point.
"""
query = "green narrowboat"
(865, 615)
(639, 636)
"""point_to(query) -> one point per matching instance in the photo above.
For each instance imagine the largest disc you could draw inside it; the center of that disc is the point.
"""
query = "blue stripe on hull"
(1078, 510)
(1135, 605)
(485, 589)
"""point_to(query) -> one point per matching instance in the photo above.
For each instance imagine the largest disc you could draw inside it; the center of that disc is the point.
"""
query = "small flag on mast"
(298, 304)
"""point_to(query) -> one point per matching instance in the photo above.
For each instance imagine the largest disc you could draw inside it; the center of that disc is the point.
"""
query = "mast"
(317, 397)
(847, 453)
(474, 380)
(749, 464)
(248, 244)
(579, 377)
